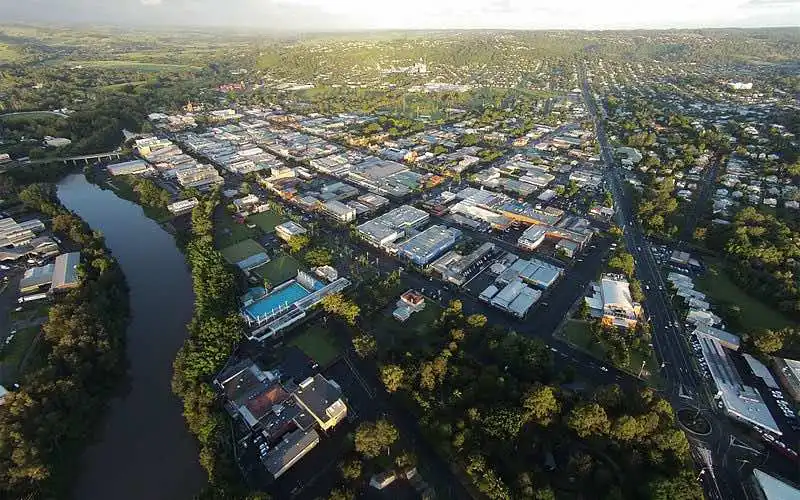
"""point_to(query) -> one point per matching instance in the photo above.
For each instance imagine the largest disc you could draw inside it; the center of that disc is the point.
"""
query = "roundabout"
(693, 421)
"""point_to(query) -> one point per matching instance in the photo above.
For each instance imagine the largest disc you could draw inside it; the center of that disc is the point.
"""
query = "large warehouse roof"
(740, 400)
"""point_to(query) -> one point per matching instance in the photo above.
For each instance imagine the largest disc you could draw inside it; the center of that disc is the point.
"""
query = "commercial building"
(567, 247)
(612, 301)
(288, 230)
(728, 340)
(516, 297)
(741, 401)
(532, 237)
(134, 167)
(282, 415)
(202, 177)
(767, 487)
(339, 211)
(18, 234)
(36, 278)
(422, 248)
(535, 272)
(65, 271)
(457, 268)
(382, 231)
(788, 371)
(182, 206)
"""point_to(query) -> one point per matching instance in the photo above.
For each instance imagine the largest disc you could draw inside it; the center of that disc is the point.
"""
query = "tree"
(318, 256)
(453, 308)
(373, 438)
(504, 423)
(392, 377)
(625, 428)
(351, 470)
(542, 403)
(338, 305)
(298, 242)
(476, 321)
(588, 419)
(622, 262)
(364, 345)
(341, 494)
(405, 460)
(683, 486)
(769, 341)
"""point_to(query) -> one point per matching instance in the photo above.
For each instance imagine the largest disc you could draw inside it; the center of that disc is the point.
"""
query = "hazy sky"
(410, 14)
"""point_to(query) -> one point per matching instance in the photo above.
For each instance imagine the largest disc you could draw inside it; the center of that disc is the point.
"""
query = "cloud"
(150, 2)
(771, 3)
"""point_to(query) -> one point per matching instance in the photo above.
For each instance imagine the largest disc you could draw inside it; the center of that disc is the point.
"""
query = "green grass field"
(242, 250)
(578, 334)
(119, 86)
(278, 270)
(135, 65)
(13, 353)
(415, 332)
(318, 343)
(227, 232)
(266, 221)
(755, 315)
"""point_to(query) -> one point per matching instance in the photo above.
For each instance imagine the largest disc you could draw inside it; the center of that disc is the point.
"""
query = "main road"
(685, 388)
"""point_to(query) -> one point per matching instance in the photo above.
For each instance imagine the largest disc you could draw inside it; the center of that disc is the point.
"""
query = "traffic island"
(693, 421)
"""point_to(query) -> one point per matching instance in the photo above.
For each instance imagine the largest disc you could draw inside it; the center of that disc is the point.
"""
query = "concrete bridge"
(113, 155)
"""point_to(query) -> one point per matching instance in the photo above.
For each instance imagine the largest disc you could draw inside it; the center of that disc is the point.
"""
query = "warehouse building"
(17, 234)
(515, 298)
(427, 245)
(134, 167)
(767, 487)
(728, 340)
(534, 272)
(741, 401)
(383, 230)
(65, 271)
(36, 278)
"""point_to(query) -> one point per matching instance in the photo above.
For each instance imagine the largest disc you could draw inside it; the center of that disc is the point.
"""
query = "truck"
(32, 298)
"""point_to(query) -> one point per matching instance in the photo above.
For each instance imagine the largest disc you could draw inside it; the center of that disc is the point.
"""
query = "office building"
(339, 211)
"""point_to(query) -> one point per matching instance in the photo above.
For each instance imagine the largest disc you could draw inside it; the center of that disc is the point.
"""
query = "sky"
(334, 15)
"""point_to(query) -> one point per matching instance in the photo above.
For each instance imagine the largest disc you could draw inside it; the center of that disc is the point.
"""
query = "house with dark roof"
(284, 414)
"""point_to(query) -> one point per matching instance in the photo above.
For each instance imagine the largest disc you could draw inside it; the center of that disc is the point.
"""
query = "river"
(143, 450)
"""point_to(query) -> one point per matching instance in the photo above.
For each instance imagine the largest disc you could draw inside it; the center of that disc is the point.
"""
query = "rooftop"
(740, 400)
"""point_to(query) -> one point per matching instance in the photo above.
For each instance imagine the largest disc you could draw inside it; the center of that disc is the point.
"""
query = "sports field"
(278, 270)
(242, 250)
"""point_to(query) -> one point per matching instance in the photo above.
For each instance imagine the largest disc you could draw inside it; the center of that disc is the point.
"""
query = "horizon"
(315, 16)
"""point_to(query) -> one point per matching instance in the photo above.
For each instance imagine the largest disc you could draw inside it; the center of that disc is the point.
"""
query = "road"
(723, 472)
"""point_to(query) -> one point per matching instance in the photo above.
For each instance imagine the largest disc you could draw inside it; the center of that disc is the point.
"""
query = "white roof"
(741, 401)
(616, 293)
(774, 488)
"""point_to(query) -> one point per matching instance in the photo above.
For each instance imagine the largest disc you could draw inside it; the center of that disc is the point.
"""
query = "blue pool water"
(282, 298)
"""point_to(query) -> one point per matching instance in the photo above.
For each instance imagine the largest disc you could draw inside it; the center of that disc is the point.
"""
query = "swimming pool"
(282, 298)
